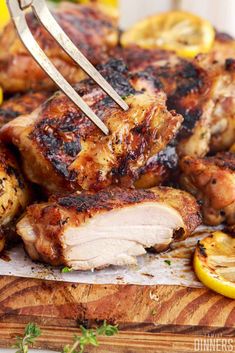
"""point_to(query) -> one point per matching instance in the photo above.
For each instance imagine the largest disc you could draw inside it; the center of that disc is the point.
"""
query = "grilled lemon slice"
(214, 263)
(182, 32)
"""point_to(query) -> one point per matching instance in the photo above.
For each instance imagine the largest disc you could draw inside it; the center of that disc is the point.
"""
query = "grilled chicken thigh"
(91, 30)
(62, 150)
(201, 90)
(111, 227)
(212, 181)
(160, 169)
(14, 192)
(222, 121)
(21, 105)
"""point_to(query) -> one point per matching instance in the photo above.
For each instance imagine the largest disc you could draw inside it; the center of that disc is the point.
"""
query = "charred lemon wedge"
(214, 263)
(182, 32)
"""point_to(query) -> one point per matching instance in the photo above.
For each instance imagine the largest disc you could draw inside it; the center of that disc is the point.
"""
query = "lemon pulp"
(182, 32)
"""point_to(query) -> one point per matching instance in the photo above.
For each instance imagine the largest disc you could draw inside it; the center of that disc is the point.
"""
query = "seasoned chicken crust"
(15, 195)
(14, 191)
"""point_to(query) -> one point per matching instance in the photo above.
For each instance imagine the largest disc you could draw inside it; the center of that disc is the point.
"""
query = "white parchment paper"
(173, 267)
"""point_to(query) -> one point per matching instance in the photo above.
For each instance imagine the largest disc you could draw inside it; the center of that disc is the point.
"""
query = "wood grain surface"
(151, 318)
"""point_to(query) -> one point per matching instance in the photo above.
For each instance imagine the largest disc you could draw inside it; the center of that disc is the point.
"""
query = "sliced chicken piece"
(62, 150)
(212, 181)
(91, 30)
(21, 105)
(111, 227)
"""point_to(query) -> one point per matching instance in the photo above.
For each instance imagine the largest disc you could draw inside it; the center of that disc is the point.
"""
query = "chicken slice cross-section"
(62, 150)
(212, 181)
(112, 227)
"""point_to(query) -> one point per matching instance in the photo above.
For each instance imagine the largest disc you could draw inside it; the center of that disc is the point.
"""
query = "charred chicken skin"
(62, 150)
(201, 90)
(21, 105)
(161, 169)
(90, 29)
(212, 181)
(111, 227)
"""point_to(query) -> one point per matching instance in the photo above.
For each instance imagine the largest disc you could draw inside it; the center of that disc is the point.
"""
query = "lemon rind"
(210, 279)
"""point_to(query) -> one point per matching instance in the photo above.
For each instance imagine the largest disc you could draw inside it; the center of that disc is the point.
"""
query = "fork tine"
(41, 58)
(48, 21)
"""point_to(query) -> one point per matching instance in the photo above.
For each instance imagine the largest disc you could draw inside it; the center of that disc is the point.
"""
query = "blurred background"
(220, 12)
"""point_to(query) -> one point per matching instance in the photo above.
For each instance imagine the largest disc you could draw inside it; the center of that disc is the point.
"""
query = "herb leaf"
(168, 262)
(66, 269)
(31, 332)
(89, 337)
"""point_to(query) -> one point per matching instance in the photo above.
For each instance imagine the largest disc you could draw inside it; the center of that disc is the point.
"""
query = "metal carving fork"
(40, 9)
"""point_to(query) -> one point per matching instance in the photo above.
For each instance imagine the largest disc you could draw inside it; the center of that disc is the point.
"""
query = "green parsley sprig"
(168, 262)
(31, 333)
(88, 337)
(66, 269)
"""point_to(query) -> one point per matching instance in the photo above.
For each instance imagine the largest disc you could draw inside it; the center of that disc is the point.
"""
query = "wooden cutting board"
(151, 318)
